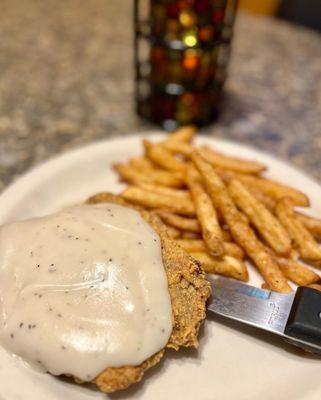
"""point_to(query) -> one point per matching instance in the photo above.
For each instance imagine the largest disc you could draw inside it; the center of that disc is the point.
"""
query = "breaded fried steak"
(189, 291)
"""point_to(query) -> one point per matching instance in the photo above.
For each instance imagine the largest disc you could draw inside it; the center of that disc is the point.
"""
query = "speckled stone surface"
(66, 79)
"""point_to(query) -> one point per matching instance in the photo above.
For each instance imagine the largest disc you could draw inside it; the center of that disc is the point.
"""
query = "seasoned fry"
(241, 232)
(268, 201)
(149, 199)
(274, 189)
(172, 232)
(228, 266)
(294, 255)
(192, 245)
(206, 214)
(232, 249)
(176, 193)
(163, 158)
(214, 221)
(197, 245)
(268, 226)
(226, 236)
(297, 272)
(141, 163)
(103, 197)
(155, 176)
(312, 224)
(219, 160)
(190, 235)
(268, 187)
(315, 286)
(182, 223)
(177, 147)
(183, 134)
(301, 237)
(244, 218)
(227, 176)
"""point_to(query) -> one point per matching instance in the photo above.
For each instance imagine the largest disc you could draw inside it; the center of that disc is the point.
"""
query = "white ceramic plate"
(232, 362)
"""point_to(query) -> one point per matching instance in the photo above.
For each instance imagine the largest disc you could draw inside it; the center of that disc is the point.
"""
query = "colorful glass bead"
(206, 59)
(175, 71)
(202, 5)
(172, 10)
(183, 4)
(206, 33)
(157, 54)
(191, 59)
(187, 18)
(217, 16)
(190, 37)
(172, 26)
(174, 55)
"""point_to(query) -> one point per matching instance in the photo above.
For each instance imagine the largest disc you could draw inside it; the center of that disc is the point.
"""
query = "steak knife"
(294, 316)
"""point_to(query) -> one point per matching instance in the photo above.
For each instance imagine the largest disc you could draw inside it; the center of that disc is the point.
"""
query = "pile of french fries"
(223, 212)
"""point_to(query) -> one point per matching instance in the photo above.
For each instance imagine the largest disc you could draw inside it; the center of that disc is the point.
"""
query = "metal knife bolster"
(295, 316)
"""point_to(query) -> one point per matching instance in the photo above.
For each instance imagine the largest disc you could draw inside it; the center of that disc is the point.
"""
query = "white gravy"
(83, 290)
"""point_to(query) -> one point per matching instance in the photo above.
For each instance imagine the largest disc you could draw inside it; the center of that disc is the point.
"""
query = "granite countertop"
(66, 79)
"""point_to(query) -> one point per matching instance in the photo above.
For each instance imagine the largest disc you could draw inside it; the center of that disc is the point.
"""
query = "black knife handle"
(304, 322)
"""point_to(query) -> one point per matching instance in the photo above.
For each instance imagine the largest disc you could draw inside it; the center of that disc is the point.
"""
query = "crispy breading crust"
(189, 291)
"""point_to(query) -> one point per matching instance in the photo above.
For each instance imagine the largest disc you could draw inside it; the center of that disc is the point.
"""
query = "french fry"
(268, 187)
(232, 249)
(228, 266)
(183, 134)
(192, 245)
(268, 201)
(315, 286)
(141, 163)
(315, 263)
(177, 147)
(172, 232)
(219, 160)
(163, 158)
(293, 255)
(190, 235)
(206, 215)
(276, 190)
(226, 235)
(269, 227)
(297, 272)
(227, 176)
(154, 176)
(160, 178)
(163, 190)
(179, 222)
(301, 237)
(221, 217)
(149, 199)
(197, 245)
(104, 197)
(241, 232)
(312, 224)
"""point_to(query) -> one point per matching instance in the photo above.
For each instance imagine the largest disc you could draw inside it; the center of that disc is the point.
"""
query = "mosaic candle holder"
(182, 49)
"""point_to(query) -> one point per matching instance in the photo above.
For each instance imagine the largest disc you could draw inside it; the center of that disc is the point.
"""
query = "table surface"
(66, 79)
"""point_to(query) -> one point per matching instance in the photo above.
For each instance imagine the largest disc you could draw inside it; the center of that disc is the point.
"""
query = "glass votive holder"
(182, 49)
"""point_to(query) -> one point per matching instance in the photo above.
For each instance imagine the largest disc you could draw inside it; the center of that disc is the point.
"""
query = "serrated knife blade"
(288, 315)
